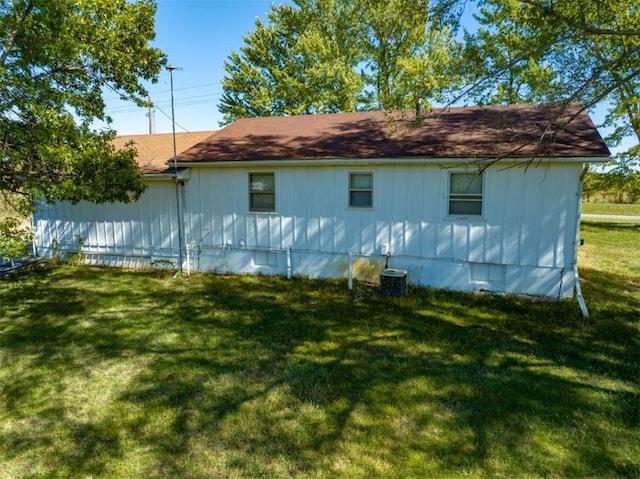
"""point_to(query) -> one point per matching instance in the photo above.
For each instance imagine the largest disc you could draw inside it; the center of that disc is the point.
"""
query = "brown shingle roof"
(154, 151)
(469, 132)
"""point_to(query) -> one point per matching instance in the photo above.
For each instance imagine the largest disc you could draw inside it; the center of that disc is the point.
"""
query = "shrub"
(14, 238)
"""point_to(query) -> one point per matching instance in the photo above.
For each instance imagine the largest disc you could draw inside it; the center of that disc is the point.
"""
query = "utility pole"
(151, 118)
(171, 68)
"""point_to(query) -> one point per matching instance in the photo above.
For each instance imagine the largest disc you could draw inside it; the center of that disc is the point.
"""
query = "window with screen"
(465, 194)
(262, 192)
(360, 190)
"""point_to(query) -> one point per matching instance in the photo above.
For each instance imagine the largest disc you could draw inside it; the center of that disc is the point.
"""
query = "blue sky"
(196, 35)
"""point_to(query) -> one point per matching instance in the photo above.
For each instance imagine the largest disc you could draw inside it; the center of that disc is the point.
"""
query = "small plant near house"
(76, 258)
(163, 263)
(14, 239)
(363, 292)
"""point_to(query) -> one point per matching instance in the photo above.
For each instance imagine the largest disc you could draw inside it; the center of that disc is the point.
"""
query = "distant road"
(611, 218)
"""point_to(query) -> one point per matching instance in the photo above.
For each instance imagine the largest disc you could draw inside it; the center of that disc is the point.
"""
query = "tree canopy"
(287, 66)
(576, 50)
(56, 60)
(315, 56)
(322, 56)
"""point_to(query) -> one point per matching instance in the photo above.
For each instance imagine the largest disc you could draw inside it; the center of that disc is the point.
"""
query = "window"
(465, 194)
(262, 192)
(360, 190)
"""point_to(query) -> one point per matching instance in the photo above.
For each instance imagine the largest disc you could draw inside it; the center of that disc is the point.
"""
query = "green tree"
(586, 51)
(319, 56)
(410, 56)
(337, 55)
(504, 64)
(14, 239)
(592, 185)
(614, 186)
(632, 187)
(56, 59)
(300, 62)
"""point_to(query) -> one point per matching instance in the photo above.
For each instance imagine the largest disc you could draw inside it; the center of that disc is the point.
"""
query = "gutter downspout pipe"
(581, 302)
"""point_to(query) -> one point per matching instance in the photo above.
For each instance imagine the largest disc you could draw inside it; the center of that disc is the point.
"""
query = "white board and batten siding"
(139, 234)
(523, 243)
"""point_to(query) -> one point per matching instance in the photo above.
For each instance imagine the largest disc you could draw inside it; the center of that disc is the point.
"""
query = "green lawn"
(115, 374)
(609, 262)
(599, 208)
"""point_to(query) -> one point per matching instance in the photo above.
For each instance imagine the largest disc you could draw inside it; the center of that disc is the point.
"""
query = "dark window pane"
(263, 202)
(360, 199)
(465, 207)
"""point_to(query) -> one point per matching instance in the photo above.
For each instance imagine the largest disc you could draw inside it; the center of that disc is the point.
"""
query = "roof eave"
(183, 174)
(381, 161)
(158, 176)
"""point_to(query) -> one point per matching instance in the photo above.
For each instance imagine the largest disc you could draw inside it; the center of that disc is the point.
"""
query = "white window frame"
(468, 197)
(350, 189)
(251, 192)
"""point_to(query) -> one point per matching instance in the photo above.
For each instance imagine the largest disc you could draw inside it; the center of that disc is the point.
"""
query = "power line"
(186, 101)
(168, 116)
(176, 89)
(192, 99)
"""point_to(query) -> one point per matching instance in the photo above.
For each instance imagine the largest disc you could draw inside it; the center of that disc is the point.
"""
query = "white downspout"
(288, 262)
(583, 305)
(581, 302)
(350, 271)
(34, 243)
(188, 258)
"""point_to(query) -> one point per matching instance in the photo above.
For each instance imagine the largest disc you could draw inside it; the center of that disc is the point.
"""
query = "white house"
(481, 198)
(118, 234)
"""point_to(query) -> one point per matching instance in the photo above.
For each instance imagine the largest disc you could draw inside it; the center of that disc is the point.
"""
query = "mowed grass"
(601, 208)
(609, 263)
(122, 374)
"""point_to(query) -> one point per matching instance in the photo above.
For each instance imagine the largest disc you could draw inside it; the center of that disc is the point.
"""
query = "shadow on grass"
(611, 225)
(611, 288)
(247, 377)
